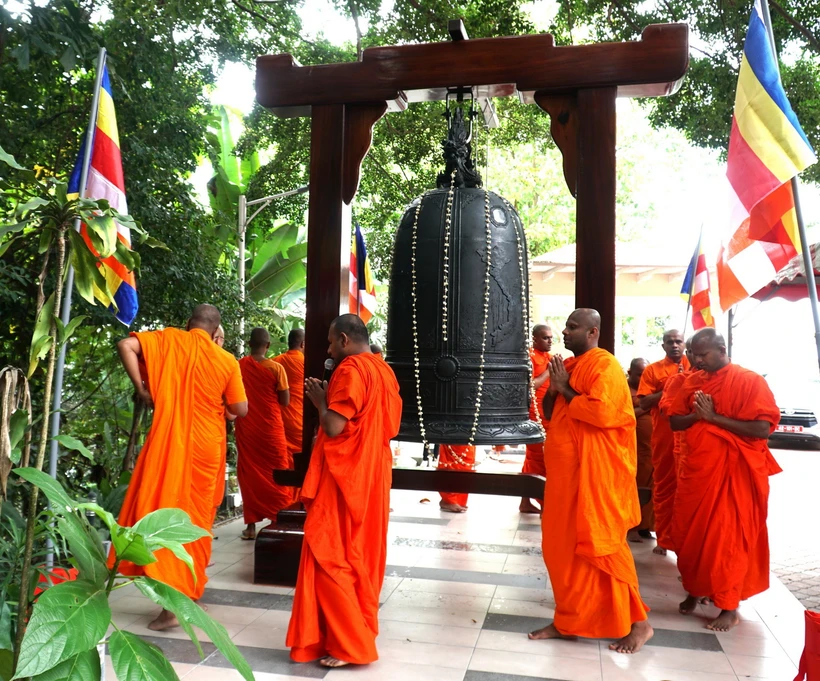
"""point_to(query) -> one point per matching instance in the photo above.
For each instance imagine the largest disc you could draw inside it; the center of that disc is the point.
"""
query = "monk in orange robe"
(540, 357)
(726, 414)
(294, 363)
(643, 432)
(193, 382)
(260, 436)
(347, 495)
(663, 462)
(591, 495)
(455, 458)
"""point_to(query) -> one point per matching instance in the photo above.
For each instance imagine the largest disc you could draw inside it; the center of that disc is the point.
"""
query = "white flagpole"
(808, 265)
(65, 313)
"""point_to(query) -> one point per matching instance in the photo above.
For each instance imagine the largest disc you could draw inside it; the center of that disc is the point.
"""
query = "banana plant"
(70, 619)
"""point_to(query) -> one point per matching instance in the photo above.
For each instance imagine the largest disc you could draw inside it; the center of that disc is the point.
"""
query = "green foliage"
(71, 618)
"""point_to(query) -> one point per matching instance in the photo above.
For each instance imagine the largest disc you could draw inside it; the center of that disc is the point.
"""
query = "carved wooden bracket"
(359, 122)
(563, 111)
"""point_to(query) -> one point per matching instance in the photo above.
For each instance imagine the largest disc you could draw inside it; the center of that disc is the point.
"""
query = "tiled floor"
(461, 592)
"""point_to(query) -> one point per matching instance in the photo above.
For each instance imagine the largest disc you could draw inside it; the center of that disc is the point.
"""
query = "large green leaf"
(6, 664)
(131, 547)
(75, 445)
(17, 426)
(279, 274)
(87, 552)
(41, 340)
(277, 242)
(68, 619)
(82, 667)
(13, 229)
(188, 611)
(5, 627)
(106, 229)
(86, 273)
(53, 490)
(8, 159)
(137, 660)
(169, 524)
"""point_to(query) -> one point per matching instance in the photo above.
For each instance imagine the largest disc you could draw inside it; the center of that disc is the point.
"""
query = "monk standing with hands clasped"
(540, 358)
(591, 494)
(663, 444)
(726, 414)
(347, 495)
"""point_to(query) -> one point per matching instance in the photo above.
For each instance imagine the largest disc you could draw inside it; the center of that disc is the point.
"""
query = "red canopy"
(790, 282)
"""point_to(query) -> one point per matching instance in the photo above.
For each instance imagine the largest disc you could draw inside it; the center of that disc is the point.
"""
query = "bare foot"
(640, 633)
(249, 533)
(726, 620)
(687, 606)
(526, 506)
(646, 534)
(332, 662)
(633, 536)
(165, 620)
(659, 551)
(451, 508)
(549, 632)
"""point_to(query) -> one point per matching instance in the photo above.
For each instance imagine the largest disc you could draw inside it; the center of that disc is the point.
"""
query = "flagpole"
(801, 227)
(65, 313)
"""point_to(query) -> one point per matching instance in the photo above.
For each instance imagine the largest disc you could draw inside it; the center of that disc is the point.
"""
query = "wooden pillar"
(328, 242)
(595, 216)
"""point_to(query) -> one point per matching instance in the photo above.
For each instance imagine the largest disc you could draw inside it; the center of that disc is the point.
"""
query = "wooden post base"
(278, 548)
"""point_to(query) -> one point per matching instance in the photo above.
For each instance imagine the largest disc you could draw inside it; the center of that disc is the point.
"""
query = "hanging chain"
(489, 245)
(413, 245)
(446, 264)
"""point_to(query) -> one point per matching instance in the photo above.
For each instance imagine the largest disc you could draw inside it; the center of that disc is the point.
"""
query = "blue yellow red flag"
(105, 181)
(767, 148)
(362, 298)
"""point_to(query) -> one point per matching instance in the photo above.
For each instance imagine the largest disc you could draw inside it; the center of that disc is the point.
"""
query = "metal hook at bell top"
(458, 93)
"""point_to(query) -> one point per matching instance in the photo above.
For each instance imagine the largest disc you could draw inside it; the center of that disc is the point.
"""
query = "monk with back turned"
(294, 363)
(347, 495)
(591, 495)
(193, 382)
(260, 436)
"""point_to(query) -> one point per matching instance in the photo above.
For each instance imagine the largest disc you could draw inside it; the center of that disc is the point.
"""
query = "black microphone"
(329, 366)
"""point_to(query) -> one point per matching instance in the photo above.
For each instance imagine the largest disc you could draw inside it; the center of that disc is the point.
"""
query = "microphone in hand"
(329, 366)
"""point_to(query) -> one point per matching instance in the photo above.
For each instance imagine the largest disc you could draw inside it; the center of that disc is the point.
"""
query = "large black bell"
(458, 313)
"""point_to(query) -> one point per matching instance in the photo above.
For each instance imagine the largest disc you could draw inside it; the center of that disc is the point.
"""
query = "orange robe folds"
(294, 363)
(347, 495)
(644, 476)
(723, 490)
(456, 458)
(180, 465)
(663, 462)
(260, 442)
(593, 501)
(534, 458)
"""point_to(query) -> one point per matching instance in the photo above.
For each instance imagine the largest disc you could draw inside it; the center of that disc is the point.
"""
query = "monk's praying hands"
(316, 392)
(559, 378)
(704, 407)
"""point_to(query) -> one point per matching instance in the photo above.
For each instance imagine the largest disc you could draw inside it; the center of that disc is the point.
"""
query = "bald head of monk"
(636, 369)
(673, 345)
(688, 352)
(709, 350)
(259, 342)
(582, 331)
(296, 340)
(542, 337)
(347, 336)
(205, 317)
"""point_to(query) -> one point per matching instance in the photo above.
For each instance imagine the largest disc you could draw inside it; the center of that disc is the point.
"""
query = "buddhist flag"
(696, 290)
(362, 287)
(105, 181)
(767, 148)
